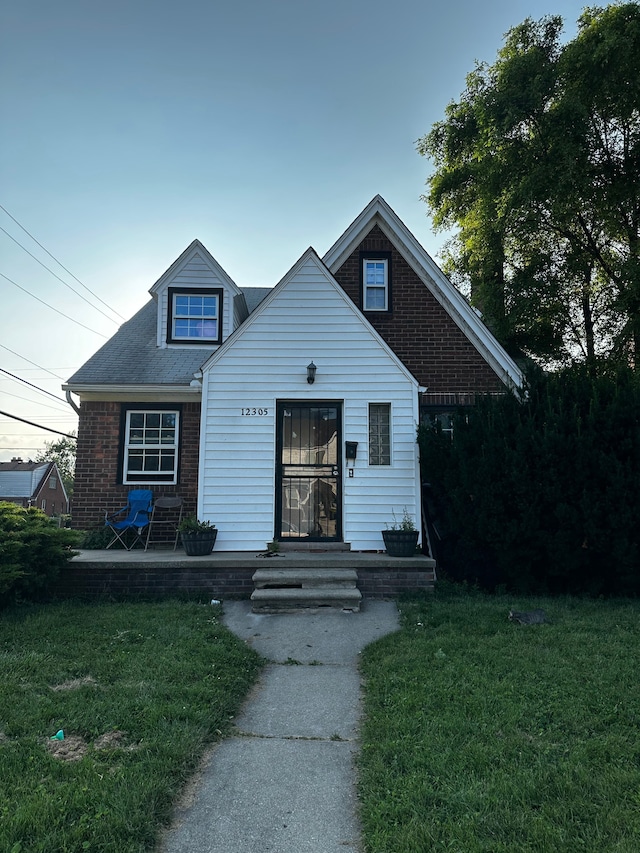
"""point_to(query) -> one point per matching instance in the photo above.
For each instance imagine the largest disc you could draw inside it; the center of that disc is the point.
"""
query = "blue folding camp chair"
(134, 517)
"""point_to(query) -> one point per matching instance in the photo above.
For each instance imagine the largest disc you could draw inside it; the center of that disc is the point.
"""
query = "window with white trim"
(53, 482)
(375, 284)
(194, 316)
(151, 446)
(379, 433)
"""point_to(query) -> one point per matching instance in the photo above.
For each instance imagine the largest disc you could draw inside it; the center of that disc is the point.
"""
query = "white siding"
(307, 318)
(195, 273)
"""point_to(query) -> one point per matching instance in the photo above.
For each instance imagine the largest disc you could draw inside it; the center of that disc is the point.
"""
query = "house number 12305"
(253, 411)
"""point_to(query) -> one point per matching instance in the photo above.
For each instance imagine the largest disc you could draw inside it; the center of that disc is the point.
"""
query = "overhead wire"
(38, 426)
(31, 385)
(35, 402)
(60, 264)
(62, 314)
(66, 284)
(24, 358)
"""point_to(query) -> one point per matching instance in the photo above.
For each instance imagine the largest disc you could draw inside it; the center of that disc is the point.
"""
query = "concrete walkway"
(285, 782)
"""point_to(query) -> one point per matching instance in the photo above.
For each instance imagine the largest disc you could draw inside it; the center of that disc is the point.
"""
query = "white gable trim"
(214, 277)
(378, 212)
(193, 249)
(309, 256)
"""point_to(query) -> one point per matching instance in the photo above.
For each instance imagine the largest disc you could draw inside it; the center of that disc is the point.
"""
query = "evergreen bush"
(33, 550)
(542, 495)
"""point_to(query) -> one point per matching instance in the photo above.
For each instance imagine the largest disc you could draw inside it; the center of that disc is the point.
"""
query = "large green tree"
(537, 168)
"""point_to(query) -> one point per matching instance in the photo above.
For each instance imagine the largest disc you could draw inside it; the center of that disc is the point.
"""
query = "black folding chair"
(165, 518)
(133, 517)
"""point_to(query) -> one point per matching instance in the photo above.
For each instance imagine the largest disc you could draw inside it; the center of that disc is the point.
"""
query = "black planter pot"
(199, 544)
(400, 543)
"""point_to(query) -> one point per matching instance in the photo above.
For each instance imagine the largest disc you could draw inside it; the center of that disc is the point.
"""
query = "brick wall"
(419, 330)
(54, 498)
(92, 580)
(97, 490)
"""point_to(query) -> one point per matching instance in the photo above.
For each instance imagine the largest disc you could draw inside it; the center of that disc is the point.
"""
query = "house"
(36, 484)
(291, 412)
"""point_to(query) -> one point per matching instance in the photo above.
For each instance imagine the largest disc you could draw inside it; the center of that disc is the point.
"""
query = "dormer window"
(376, 281)
(195, 316)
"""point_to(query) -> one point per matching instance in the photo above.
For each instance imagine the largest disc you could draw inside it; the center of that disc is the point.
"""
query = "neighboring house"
(35, 484)
(288, 412)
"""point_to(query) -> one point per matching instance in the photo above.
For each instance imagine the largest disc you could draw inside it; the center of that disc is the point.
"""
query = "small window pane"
(380, 434)
(135, 460)
(167, 461)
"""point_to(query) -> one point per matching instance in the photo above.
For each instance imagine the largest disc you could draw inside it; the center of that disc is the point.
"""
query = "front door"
(308, 489)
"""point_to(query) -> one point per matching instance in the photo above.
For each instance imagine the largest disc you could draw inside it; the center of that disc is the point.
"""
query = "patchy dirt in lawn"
(75, 683)
(114, 740)
(72, 748)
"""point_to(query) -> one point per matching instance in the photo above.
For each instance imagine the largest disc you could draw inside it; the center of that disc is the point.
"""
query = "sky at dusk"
(261, 128)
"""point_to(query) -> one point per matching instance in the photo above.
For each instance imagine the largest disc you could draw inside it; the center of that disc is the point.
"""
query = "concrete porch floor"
(168, 558)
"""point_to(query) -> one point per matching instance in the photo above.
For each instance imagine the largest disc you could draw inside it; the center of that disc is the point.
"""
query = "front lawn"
(139, 690)
(485, 735)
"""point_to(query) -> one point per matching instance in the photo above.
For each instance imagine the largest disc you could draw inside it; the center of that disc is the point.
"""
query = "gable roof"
(309, 259)
(378, 212)
(22, 479)
(193, 250)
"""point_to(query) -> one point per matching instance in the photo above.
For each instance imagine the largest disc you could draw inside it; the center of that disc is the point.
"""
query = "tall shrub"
(543, 495)
(33, 549)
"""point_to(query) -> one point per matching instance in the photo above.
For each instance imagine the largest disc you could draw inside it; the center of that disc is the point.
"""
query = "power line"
(24, 358)
(38, 426)
(72, 289)
(60, 264)
(62, 314)
(31, 385)
(26, 399)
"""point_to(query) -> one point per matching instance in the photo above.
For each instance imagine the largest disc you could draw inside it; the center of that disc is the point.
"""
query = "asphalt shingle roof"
(131, 356)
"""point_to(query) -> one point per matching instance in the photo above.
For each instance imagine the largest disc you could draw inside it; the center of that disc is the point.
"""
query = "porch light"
(311, 373)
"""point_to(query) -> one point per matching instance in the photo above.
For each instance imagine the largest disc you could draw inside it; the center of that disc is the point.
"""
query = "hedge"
(541, 495)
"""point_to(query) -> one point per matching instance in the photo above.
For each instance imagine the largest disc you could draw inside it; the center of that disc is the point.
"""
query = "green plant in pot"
(198, 537)
(401, 537)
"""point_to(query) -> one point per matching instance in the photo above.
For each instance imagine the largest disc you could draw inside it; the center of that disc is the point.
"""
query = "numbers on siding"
(252, 411)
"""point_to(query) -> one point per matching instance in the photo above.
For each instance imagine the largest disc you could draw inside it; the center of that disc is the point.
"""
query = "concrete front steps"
(287, 590)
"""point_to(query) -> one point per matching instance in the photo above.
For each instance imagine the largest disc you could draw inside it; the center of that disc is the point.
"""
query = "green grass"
(139, 689)
(484, 735)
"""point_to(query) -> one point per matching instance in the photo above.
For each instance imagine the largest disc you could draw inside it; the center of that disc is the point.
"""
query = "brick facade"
(203, 582)
(97, 488)
(50, 497)
(418, 329)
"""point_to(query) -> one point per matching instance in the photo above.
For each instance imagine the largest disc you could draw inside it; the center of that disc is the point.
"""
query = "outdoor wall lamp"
(311, 373)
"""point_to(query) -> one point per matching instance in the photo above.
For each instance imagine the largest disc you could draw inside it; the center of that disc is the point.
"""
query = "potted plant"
(401, 537)
(198, 537)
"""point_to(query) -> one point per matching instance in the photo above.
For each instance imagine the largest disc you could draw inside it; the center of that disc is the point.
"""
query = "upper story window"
(53, 482)
(195, 316)
(376, 281)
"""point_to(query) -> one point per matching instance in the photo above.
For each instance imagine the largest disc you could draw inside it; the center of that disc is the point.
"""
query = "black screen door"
(308, 492)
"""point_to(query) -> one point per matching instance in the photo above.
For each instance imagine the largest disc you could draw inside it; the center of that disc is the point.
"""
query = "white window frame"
(210, 293)
(377, 456)
(383, 265)
(142, 476)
